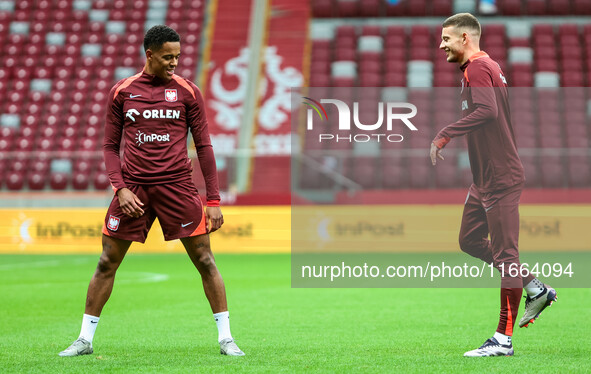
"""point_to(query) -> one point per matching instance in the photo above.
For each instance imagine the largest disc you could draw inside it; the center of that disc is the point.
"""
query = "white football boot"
(535, 305)
(490, 348)
(229, 348)
(78, 348)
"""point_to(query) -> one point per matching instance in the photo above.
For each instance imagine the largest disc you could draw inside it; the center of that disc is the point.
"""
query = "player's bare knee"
(206, 261)
(107, 265)
(200, 252)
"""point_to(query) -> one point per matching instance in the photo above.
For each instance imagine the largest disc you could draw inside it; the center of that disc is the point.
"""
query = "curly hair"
(158, 35)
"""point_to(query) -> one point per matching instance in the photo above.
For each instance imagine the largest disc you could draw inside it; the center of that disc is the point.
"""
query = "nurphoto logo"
(344, 120)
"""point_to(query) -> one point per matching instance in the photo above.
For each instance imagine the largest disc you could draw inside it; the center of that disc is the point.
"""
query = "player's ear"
(465, 38)
(149, 54)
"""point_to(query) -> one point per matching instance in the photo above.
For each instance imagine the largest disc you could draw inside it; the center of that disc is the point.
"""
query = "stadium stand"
(391, 51)
(444, 8)
(61, 58)
(551, 120)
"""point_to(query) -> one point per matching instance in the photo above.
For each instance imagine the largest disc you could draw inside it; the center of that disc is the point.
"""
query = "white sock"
(535, 287)
(502, 338)
(222, 320)
(89, 324)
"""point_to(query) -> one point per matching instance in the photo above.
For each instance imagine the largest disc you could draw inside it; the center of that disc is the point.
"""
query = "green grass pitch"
(158, 321)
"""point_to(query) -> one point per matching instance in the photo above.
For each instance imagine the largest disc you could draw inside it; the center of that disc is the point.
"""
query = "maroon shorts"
(177, 206)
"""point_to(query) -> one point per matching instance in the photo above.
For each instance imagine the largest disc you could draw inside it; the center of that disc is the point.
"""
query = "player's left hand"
(435, 154)
(213, 218)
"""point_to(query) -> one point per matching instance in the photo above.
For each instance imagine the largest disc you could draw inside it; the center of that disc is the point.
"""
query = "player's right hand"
(130, 203)
(214, 218)
(435, 154)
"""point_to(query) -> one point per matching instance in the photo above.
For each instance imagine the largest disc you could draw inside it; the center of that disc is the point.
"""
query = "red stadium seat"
(573, 79)
(80, 181)
(40, 165)
(509, 7)
(370, 62)
(373, 30)
(347, 8)
(393, 30)
(36, 180)
(363, 171)
(87, 145)
(421, 53)
(568, 29)
(546, 65)
(346, 31)
(320, 67)
(552, 171)
(521, 79)
(442, 8)
(394, 175)
(58, 181)
(395, 79)
(519, 42)
(569, 65)
(420, 175)
(370, 8)
(319, 80)
(47, 144)
(19, 165)
(66, 145)
(446, 173)
(535, 7)
(579, 170)
(343, 82)
(396, 52)
(101, 181)
(395, 66)
(370, 79)
(530, 167)
(417, 8)
(396, 9)
(496, 41)
(24, 144)
(581, 7)
(549, 139)
(576, 136)
(15, 181)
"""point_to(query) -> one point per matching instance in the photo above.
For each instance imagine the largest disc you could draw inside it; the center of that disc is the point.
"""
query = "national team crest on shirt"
(170, 95)
(113, 223)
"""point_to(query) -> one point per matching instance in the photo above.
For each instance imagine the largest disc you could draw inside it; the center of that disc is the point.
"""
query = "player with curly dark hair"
(153, 111)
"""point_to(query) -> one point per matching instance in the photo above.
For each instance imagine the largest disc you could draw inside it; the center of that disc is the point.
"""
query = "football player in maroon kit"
(492, 204)
(152, 112)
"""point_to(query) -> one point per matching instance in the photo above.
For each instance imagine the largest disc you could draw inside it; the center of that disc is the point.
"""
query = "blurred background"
(61, 57)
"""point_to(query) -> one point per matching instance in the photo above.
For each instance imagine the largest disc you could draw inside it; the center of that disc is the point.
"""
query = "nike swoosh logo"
(186, 224)
(93, 321)
(487, 209)
(134, 96)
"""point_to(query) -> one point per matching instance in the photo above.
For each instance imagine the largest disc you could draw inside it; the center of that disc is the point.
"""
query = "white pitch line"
(145, 278)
